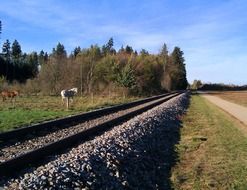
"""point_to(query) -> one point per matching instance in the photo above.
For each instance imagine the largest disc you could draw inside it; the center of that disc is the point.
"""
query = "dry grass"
(238, 97)
(212, 151)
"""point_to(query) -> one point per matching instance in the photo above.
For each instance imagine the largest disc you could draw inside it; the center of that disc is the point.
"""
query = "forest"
(93, 70)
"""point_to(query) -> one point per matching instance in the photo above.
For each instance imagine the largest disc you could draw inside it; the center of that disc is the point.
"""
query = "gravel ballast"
(53, 134)
(137, 154)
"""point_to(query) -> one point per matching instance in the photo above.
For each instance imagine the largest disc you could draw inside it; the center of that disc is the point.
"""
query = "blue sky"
(212, 34)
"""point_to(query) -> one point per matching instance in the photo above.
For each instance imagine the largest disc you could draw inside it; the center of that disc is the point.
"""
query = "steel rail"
(75, 119)
(36, 156)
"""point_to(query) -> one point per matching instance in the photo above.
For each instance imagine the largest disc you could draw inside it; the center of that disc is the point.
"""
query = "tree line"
(221, 87)
(15, 65)
(94, 70)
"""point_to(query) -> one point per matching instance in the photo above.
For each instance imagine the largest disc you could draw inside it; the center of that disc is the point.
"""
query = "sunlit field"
(26, 110)
(238, 97)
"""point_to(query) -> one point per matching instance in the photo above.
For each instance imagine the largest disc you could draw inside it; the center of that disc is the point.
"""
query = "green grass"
(33, 109)
(212, 151)
(20, 117)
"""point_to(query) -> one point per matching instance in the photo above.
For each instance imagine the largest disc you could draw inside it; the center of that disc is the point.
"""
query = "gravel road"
(137, 154)
(239, 112)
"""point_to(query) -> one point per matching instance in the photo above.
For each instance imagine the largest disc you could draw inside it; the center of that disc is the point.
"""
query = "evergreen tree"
(110, 44)
(6, 50)
(144, 52)
(179, 73)
(5, 59)
(76, 51)
(174, 77)
(164, 51)
(16, 60)
(33, 63)
(41, 53)
(108, 48)
(128, 49)
(3, 69)
(59, 52)
(177, 56)
(16, 50)
(46, 57)
(41, 57)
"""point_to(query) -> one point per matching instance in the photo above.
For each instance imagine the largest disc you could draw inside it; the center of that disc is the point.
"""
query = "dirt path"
(237, 111)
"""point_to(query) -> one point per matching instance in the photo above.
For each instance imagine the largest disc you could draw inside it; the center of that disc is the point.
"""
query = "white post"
(67, 102)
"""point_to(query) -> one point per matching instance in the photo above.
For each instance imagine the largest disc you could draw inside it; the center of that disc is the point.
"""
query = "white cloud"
(212, 36)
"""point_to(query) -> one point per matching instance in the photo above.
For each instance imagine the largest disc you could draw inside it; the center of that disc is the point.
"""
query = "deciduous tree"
(196, 84)
(126, 77)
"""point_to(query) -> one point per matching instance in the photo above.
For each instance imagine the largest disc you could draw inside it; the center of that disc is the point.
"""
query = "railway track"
(23, 147)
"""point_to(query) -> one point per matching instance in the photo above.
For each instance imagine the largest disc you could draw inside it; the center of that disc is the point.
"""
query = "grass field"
(32, 109)
(212, 151)
(238, 97)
